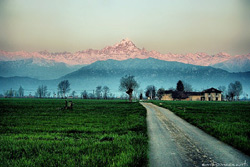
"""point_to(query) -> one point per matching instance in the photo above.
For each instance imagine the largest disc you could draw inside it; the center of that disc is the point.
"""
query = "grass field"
(227, 121)
(36, 132)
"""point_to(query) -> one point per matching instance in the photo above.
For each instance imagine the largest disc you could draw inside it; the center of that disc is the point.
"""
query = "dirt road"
(174, 142)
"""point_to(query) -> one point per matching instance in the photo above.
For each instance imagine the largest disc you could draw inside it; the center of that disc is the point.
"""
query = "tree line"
(129, 85)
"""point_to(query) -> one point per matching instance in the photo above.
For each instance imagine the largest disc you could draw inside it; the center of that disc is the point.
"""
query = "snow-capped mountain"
(123, 50)
(240, 63)
(35, 68)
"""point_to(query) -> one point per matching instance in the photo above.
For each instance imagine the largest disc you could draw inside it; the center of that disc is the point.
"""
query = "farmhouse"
(211, 94)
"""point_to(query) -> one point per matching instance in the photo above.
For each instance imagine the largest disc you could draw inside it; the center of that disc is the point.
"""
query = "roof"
(212, 90)
(194, 93)
(182, 95)
(169, 91)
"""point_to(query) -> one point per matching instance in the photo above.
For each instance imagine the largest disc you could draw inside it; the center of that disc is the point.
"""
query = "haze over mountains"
(147, 72)
(87, 69)
(35, 68)
(126, 49)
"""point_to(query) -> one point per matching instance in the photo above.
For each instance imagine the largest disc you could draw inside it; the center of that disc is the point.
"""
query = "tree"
(235, 89)
(64, 87)
(9, 93)
(160, 92)
(150, 91)
(187, 87)
(238, 89)
(49, 94)
(21, 91)
(128, 84)
(15, 93)
(91, 95)
(231, 91)
(223, 89)
(41, 91)
(98, 92)
(84, 94)
(73, 93)
(180, 86)
(45, 90)
(141, 96)
(105, 92)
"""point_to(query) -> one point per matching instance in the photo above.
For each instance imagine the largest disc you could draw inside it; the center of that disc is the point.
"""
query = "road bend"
(173, 142)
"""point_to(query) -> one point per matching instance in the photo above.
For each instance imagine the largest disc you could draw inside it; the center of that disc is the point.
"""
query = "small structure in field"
(211, 94)
(68, 105)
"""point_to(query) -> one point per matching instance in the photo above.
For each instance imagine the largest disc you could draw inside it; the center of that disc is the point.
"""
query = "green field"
(36, 132)
(227, 121)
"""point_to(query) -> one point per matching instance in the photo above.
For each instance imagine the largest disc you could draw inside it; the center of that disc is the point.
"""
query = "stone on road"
(175, 142)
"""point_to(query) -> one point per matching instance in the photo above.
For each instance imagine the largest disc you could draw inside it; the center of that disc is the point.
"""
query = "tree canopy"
(64, 87)
(160, 92)
(128, 84)
(235, 89)
(180, 86)
(151, 91)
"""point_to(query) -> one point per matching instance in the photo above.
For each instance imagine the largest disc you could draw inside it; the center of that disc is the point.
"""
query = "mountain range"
(89, 68)
(146, 71)
(126, 49)
(35, 68)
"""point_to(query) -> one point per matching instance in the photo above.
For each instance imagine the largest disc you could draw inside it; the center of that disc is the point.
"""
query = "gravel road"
(174, 142)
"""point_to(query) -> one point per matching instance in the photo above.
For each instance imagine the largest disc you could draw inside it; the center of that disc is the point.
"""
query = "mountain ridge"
(122, 50)
(35, 68)
(146, 71)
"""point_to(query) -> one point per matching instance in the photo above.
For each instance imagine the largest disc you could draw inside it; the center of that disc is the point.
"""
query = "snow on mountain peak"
(125, 49)
(125, 42)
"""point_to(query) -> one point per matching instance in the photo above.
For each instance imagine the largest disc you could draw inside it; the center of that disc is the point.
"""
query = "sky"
(167, 26)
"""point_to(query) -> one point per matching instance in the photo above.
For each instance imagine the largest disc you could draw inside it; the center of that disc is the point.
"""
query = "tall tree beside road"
(128, 84)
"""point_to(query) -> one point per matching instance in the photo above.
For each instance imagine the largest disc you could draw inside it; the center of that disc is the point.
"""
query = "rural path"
(174, 142)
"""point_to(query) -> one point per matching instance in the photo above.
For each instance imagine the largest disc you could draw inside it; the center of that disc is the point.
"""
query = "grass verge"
(36, 132)
(227, 121)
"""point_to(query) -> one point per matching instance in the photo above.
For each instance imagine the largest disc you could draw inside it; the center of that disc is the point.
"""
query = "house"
(211, 94)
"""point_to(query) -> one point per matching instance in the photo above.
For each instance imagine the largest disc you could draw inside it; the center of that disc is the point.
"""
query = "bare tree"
(238, 89)
(49, 94)
(91, 95)
(9, 93)
(73, 93)
(45, 90)
(235, 89)
(151, 91)
(21, 91)
(231, 91)
(98, 92)
(223, 89)
(160, 93)
(105, 92)
(187, 87)
(128, 84)
(41, 91)
(84, 94)
(64, 87)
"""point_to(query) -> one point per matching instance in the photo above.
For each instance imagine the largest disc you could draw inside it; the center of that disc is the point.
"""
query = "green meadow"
(227, 121)
(37, 132)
